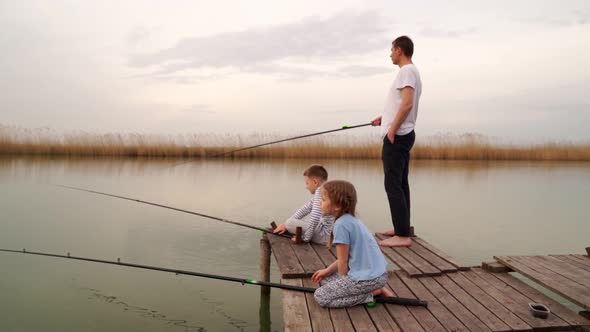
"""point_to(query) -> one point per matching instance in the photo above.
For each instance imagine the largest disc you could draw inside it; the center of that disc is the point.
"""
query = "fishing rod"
(378, 299)
(345, 127)
(176, 209)
(292, 138)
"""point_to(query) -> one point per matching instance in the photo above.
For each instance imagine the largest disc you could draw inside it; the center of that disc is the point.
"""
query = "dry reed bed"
(43, 142)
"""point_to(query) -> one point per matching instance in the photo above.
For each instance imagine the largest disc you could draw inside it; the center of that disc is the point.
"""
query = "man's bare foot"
(396, 241)
(390, 232)
(383, 292)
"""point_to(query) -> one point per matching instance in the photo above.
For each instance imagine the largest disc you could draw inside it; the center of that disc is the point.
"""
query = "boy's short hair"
(316, 171)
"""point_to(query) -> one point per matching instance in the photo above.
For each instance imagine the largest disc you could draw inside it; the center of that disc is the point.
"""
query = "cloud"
(198, 108)
(447, 33)
(291, 73)
(138, 35)
(301, 73)
(361, 70)
(582, 17)
(337, 111)
(265, 49)
(575, 17)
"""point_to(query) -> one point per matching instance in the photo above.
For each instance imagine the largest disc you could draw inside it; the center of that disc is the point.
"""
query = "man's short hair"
(405, 44)
(316, 171)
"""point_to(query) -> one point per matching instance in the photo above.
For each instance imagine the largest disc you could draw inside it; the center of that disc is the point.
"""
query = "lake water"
(471, 210)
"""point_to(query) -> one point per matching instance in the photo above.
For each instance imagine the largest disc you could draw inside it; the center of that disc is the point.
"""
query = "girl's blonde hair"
(343, 195)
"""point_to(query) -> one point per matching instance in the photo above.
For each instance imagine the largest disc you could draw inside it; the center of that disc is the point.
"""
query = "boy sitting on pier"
(316, 226)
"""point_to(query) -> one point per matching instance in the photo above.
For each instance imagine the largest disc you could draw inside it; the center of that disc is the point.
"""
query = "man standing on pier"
(397, 130)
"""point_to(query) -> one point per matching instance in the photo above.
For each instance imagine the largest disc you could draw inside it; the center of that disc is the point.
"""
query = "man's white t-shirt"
(408, 76)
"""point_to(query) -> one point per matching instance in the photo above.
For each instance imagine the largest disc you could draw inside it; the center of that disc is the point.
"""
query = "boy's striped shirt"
(318, 223)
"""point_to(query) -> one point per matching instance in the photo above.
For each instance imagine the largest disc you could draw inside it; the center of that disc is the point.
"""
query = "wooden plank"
(340, 320)
(537, 296)
(490, 303)
(295, 313)
(420, 263)
(320, 317)
(382, 320)
(567, 270)
(309, 259)
(582, 259)
(578, 281)
(402, 315)
(574, 262)
(433, 259)
(285, 256)
(401, 262)
(441, 254)
(428, 270)
(514, 301)
(555, 282)
(462, 313)
(487, 317)
(540, 274)
(324, 253)
(360, 319)
(495, 267)
(444, 316)
(422, 315)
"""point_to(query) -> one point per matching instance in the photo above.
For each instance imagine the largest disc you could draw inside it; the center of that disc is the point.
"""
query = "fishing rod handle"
(401, 301)
(356, 126)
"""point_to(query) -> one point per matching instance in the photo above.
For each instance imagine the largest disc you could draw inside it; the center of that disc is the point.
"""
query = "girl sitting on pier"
(360, 263)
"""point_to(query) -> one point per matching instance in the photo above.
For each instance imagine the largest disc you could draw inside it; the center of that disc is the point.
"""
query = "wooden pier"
(566, 275)
(460, 298)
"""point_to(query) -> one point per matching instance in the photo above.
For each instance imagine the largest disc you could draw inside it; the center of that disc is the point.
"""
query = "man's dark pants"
(396, 164)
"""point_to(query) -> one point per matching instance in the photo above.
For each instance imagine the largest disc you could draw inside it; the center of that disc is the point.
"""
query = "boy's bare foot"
(390, 232)
(384, 292)
(396, 241)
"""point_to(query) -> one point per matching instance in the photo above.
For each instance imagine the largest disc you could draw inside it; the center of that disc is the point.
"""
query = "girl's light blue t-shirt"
(365, 260)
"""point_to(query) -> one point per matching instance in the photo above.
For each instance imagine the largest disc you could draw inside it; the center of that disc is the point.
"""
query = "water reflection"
(264, 312)
(472, 210)
(33, 167)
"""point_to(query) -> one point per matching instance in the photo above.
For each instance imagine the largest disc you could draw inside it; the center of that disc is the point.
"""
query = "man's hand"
(391, 136)
(294, 238)
(376, 122)
(319, 275)
(282, 228)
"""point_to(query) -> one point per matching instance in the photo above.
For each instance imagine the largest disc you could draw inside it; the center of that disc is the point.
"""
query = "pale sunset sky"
(518, 70)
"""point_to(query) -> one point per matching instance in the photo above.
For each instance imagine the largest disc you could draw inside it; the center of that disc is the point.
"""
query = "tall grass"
(44, 142)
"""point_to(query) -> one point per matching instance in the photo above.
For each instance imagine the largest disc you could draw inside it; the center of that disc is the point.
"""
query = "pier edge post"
(298, 234)
(264, 263)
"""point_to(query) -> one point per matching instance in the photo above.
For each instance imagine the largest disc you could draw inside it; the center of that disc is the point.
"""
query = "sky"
(516, 70)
